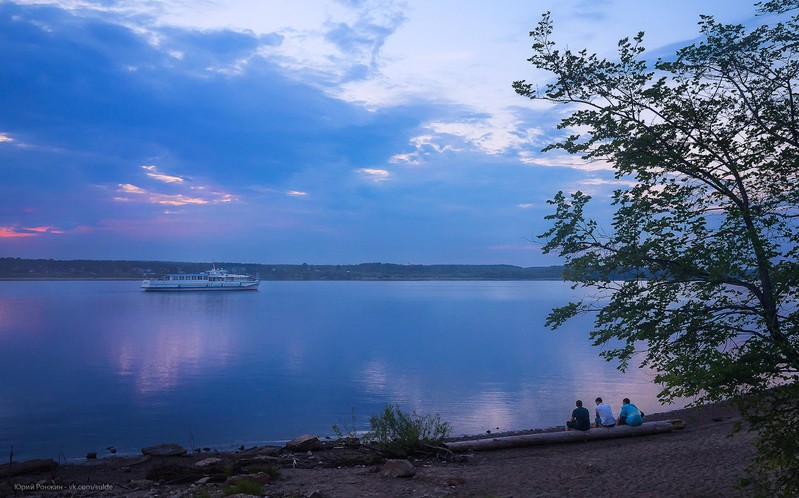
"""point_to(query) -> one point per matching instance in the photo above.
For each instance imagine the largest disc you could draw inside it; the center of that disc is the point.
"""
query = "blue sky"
(295, 131)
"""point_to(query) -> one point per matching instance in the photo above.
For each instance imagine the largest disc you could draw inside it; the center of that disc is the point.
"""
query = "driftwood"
(523, 440)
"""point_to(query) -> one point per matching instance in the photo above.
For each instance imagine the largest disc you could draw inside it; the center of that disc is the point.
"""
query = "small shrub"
(344, 431)
(399, 434)
(272, 471)
(229, 470)
(245, 487)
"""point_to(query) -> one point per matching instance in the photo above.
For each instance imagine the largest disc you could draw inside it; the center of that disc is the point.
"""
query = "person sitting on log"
(604, 415)
(630, 414)
(581, 418)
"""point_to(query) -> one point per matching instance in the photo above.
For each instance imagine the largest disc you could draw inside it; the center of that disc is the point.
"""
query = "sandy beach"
(699, 460)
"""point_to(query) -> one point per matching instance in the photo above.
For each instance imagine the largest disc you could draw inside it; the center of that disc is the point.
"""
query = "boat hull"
(155, 286)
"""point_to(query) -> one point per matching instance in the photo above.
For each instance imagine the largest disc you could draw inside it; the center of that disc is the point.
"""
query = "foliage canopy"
(705, 232)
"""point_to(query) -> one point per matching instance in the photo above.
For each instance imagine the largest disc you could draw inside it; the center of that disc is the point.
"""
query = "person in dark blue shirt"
(581, 418)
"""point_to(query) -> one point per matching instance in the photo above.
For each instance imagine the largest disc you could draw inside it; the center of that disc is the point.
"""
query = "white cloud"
(4, 137)
(201, 194)
(600, 181)
(554, 160)
(172, 199)
(409, 158)
(496, 134)
(161, 177)
(131, 189)
(375, 175)
(165, 178)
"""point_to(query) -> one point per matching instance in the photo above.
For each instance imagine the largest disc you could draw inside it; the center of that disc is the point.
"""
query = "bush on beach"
(397, 434)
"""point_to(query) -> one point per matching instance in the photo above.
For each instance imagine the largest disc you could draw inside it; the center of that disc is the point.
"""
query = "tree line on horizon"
(19, 268)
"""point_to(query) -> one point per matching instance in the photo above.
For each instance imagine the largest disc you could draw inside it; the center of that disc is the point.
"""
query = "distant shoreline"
(18, 269)
(100, 279)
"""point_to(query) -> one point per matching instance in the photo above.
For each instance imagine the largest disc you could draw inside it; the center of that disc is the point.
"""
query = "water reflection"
(175, 338)
(18, 316)
(374, 377)
(95, 364)
(170, 353)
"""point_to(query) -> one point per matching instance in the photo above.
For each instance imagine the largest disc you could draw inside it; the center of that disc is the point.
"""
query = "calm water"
(88, 365)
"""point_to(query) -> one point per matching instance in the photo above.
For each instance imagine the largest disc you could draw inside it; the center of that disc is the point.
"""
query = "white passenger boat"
(212, 280)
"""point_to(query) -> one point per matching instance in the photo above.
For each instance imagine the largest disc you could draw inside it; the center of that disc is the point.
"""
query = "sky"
(288, 132)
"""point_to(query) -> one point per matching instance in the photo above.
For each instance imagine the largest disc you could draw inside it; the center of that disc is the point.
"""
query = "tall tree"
(698, 273)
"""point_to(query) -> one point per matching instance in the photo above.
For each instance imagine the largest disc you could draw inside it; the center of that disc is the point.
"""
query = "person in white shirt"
(604, 415)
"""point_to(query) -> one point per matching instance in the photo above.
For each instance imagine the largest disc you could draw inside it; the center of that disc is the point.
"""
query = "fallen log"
(523, 440)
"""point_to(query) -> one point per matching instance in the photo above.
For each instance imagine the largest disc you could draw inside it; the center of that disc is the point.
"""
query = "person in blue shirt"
(581, 418)
(630, 414)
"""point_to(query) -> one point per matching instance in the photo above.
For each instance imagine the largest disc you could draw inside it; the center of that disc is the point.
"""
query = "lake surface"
(90, 365)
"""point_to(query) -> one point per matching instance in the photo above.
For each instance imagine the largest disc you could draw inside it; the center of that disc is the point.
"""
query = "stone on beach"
(207, 462)
(398, 468)
(170, 449)
(303, 443)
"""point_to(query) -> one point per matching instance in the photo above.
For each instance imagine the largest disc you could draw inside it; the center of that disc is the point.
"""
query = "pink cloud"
(8, 232)
(43, 230)
(12, 233)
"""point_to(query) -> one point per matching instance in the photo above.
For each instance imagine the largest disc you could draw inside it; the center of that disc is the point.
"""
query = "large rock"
(208, 462)
(306, 442)
(164, 450)
(398, 468)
